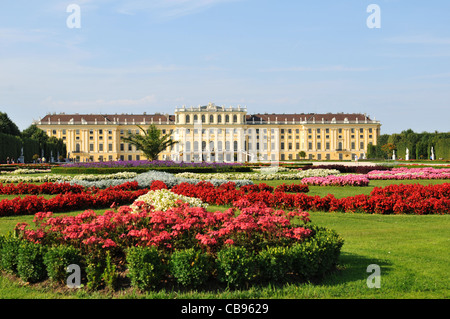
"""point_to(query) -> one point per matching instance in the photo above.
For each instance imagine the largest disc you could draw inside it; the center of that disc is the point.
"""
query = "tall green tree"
(151, 143)
(7, 126)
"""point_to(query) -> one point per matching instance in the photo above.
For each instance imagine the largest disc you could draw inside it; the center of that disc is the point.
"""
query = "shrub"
(58, 258)
(236, 266)
(9, 252)
(275, 263)
(317, 254)
(95, 266)
(30, 262)
(145, 267)
(191, 267)
(109, 275)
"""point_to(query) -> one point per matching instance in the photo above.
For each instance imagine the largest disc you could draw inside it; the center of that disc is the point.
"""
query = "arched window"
(188, 119)
(234, 118)
(219, 118)
(235, 146)
(203, 119)
(211, 119)
(188, 146)
(227, 118)
(195, 118)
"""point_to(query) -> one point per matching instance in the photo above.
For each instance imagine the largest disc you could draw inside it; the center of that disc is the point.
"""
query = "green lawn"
(412, 252)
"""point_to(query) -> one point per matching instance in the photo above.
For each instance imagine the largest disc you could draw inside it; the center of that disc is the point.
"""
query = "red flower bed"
(292, 188)
(393, 199)
(46, 188)
(90, 198)
(178, 228)
(56, 188)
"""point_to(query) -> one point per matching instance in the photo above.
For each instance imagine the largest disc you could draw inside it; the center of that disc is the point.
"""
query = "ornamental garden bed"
(143, 166)
(184, 246)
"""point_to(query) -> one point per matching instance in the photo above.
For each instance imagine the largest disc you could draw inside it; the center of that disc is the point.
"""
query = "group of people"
(10, 160)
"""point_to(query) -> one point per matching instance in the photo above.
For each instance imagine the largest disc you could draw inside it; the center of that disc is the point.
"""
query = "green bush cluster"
(148, 268)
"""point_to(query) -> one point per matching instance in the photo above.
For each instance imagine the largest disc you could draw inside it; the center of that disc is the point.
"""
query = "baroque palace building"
(217, 134)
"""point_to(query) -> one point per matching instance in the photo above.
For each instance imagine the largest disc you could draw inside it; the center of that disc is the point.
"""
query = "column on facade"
(183, 148)
(277, 143)
(240, 144)
(71, 142)
(208, 148)
(216, 149)
(254, 151)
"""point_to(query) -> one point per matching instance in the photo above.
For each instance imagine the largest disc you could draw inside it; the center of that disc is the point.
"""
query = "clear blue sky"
(285, 56)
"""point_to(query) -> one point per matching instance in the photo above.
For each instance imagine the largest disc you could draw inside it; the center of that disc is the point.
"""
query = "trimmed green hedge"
(148, 268)
(171, 169)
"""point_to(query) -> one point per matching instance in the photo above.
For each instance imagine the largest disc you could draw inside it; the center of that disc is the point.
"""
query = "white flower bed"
(262, 176)
(163, 199)
(274, 169)
(65, 178)
(144, 180)
(27, 171)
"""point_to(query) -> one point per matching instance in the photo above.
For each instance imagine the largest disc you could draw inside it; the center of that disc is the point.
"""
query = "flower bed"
(149, 164)
(298, 174)
(162, 200)
(419, 199)
(90, 198)
(404, 173)
(355, 169)
(184, 245)
(147, 178)
(27, 171)
(66, 178)
(341, 180)
(46, 188)
(144, 165)
(393, 199)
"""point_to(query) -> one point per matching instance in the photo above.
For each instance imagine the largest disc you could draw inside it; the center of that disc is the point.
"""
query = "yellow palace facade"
(217, 134)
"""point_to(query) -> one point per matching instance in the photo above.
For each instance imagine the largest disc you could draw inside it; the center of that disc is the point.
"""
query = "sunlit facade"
(214, 133)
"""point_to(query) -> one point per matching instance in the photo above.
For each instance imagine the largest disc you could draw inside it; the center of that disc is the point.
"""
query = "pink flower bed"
(341, 180)
(403, 173)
